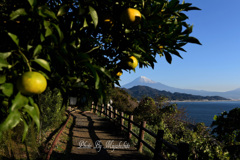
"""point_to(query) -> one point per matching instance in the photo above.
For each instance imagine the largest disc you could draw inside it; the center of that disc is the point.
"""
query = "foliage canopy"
(77, 50)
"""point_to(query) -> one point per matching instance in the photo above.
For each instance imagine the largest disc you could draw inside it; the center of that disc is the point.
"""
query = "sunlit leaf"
(11, 121)
(5, 55)
(33, 113)
(25, 129)
(14, 38)
(3, 63)
(37, 50)
(45, 12)
(17, 13)
(43, 63)
(94, 16)
(2, 79)
(48, 32)
(29, 47)
(215, 117)
(34, 105)
(85, 23)
(63, 10)
(7, 89)
(32, 3)
(61, 36)
(18, 102)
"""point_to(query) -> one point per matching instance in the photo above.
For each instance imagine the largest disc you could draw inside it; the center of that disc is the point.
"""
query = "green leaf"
(168, 57)
(11, 121)
(59, 31)
(42, 38)
(17, 13)
(94, 16)
(95, 74)
(63, 10)
(46, 24)
(3, 63)
(45, 12)
(25, 130)
(5, 55)
(43, 63)
(215, 117)
(2, 79)
(193, 40)
(29, 47)
(7, 89)
(85, 23)
(34, 105)
(33, 3)
(14, 38)
(33, 113)
(48, 32)
(18, 102)
(37, 50)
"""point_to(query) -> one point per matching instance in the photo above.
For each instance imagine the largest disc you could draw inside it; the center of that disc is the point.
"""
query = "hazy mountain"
(142, 91)
(144, 81)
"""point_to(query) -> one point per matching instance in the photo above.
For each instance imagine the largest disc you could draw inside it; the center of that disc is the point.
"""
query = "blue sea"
(205, 111)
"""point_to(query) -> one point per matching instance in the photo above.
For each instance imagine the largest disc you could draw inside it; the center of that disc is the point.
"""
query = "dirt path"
(95, 138)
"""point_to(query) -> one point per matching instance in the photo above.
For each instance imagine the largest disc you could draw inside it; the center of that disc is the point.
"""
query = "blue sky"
(214, 66)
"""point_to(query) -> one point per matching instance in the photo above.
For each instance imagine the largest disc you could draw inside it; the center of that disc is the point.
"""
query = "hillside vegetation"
(143, 91)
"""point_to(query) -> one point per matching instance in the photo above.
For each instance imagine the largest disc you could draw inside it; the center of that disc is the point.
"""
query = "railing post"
(122, 121)
(183, 151)
(130, 126)
(102, 109)
(115, 113)
(96, 109)
(141, 136)
(110, 112)
(92, 107)
(108, 108)
(158, 145)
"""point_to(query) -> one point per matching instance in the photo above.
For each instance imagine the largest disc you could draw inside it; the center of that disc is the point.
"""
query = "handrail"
(182, 149)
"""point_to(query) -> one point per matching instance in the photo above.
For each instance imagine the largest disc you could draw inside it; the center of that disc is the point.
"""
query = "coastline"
(231, 100)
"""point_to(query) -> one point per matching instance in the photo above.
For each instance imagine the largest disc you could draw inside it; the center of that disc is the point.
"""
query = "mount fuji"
(144, 81)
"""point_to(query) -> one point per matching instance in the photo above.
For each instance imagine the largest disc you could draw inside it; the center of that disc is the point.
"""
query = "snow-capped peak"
(144, 79)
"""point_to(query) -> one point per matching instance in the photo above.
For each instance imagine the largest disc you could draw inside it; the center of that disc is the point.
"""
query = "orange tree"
(80, 46)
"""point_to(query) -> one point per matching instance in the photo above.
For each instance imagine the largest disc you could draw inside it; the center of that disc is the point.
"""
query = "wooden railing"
(182, 149)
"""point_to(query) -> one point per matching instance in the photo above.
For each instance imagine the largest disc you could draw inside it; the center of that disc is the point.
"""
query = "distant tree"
(146, 111)
(122, 100)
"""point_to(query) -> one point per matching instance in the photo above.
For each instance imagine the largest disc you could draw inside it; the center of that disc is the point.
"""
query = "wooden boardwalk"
(95, 138)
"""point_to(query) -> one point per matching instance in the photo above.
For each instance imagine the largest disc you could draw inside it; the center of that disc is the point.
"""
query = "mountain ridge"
(142, 91)
(144, 81)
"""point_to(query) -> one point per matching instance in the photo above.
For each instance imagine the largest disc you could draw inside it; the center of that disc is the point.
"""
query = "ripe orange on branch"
(119, 73)
(32, 83)
(131, 17)
(132, 62)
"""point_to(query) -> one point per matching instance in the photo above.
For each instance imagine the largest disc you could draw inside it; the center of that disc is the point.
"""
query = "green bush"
(176, 129)
(51, 108)
(226, 128)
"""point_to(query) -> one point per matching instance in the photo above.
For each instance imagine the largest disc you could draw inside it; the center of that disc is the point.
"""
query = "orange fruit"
(119, 73)
(133, 62)
(32, 83)
(108, 21)
(131, 17)
(161, 48)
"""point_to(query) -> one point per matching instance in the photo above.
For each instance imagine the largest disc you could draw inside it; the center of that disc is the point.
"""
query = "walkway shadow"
(99, 147)
(99, 130)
